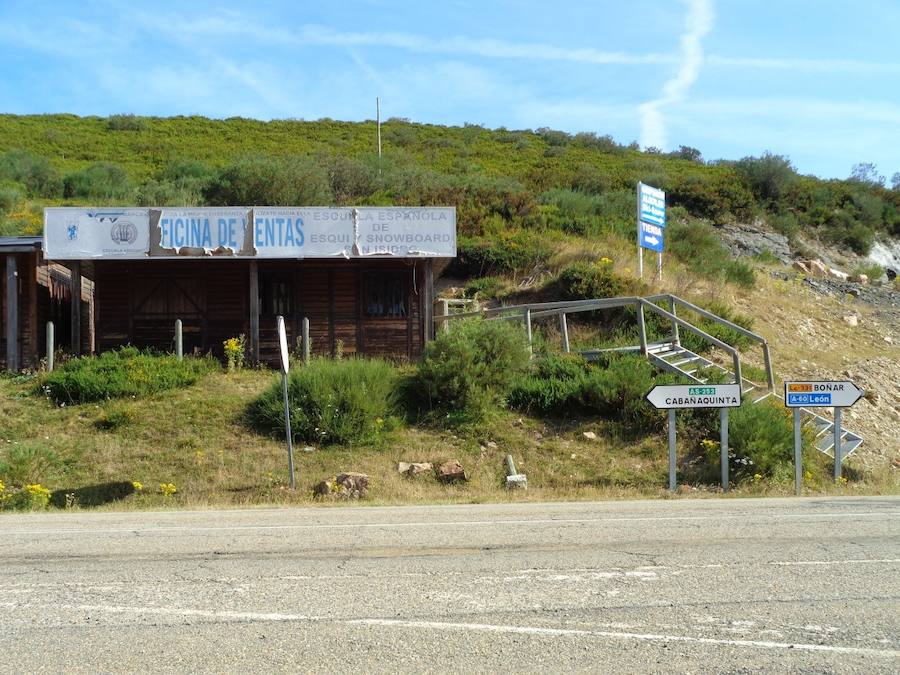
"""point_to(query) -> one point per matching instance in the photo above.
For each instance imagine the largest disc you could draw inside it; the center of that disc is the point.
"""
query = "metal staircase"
(671, 355)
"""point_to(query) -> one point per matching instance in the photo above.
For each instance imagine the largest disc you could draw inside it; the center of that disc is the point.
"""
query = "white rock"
(589, 435)
(851, 320)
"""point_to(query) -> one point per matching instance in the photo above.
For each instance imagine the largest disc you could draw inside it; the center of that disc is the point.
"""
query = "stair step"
(690, 359)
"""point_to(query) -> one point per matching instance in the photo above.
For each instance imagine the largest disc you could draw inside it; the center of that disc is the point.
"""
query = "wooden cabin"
(33, 292)
(364, 278)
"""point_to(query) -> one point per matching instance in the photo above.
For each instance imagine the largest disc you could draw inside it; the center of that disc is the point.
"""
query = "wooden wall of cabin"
(137, 302)
(26, 268)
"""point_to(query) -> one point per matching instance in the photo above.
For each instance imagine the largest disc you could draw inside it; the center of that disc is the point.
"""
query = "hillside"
(500, 180)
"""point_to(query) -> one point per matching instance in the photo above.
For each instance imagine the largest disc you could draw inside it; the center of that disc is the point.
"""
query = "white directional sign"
(671, 396)
(282, 344)
(821, 394)
(652, 205)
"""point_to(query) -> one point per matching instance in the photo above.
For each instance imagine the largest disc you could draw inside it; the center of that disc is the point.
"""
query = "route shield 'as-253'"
(821, 394)
(668, 396)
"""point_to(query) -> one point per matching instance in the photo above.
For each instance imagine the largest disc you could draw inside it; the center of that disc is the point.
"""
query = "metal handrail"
(767, 357)
(529, 311)
(692, 328)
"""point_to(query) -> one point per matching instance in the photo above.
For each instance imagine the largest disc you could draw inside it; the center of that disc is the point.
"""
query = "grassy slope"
(73, 142)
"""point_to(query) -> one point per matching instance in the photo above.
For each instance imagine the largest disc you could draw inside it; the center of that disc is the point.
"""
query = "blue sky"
(816, 80)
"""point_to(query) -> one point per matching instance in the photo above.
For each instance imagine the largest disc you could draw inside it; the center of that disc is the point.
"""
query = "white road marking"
(790, 563)
(472, 627)
(537, 630)
(744, 518)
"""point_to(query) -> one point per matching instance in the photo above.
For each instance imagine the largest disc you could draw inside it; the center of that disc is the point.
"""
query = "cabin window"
(384, 295)
(276, 296)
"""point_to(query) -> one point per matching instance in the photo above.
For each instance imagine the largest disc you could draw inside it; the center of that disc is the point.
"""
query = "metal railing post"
(179, 344)
(564, 329)
(51, 347)
(304, 340)
(526, 316)
(676, 338)
(770, 376)
(738, 379)
(642, 328)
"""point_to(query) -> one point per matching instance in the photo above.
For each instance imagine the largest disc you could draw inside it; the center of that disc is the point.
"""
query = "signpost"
(651, 223)
(285, 366)
(819, 394)
(672, 397)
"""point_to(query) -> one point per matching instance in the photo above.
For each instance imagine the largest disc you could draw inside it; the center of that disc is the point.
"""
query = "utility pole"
(378, 125)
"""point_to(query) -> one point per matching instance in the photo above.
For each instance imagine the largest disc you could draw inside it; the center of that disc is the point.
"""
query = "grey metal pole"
(798, 453)
(510, 466)
(564, 329)
(527, 317)
(676, 338)
(378, 126)
(672, 449)
(179, 344)
(637, 217)
(51, 346)
(287, 430)
(723, 442)
(642, 328)
(837, 443)
(304, 340)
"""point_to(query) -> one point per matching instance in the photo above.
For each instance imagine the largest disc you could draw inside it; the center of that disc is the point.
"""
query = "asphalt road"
(805, 585)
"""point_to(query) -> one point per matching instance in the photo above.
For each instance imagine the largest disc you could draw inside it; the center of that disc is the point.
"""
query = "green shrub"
(485, 288)
(120, 373)
(469, 369)
(28, 462)
(507, 254)
(102, 180)
(761, 440)
(10, 196)
(613, 388)
(274, 181)
(127, 122)
(585, 281)
(31, 497)
(349, 402)
(554, 386)
(35, 173)
(696, 244)
(770, 177)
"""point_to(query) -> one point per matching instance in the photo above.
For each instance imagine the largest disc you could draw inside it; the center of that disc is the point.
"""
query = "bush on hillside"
(347, 402)
(35, 173)
(761, 441)
(120, 373)
(127, 122)
(510, 254)
(102, 181)
(586, 281)
(27, 463)
(697, 245)
(613, 388)
(770, 177)
(469, 369)
(272, 181)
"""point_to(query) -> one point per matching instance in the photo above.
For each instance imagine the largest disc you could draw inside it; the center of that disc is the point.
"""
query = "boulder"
(346, 486)
(862, 279)
(413, 469)
(589, 435)
(817, 268)
(801, 266)
(837, 274)
(451, 472)
(517, 481)
(851, 320)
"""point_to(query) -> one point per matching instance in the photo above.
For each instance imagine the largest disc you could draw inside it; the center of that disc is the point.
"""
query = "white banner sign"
(96, 233)
(667, 396)
(263, 232)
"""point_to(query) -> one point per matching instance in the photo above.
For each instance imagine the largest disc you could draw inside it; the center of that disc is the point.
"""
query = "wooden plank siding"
(138, 301)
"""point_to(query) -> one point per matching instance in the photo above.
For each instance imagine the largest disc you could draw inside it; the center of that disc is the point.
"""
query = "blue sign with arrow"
(651, 237)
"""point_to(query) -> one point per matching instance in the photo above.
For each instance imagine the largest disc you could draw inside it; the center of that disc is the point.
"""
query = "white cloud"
(698, 23)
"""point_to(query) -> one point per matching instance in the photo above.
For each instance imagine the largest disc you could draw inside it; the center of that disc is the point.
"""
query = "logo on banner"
(123, 232)
(72, 231)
